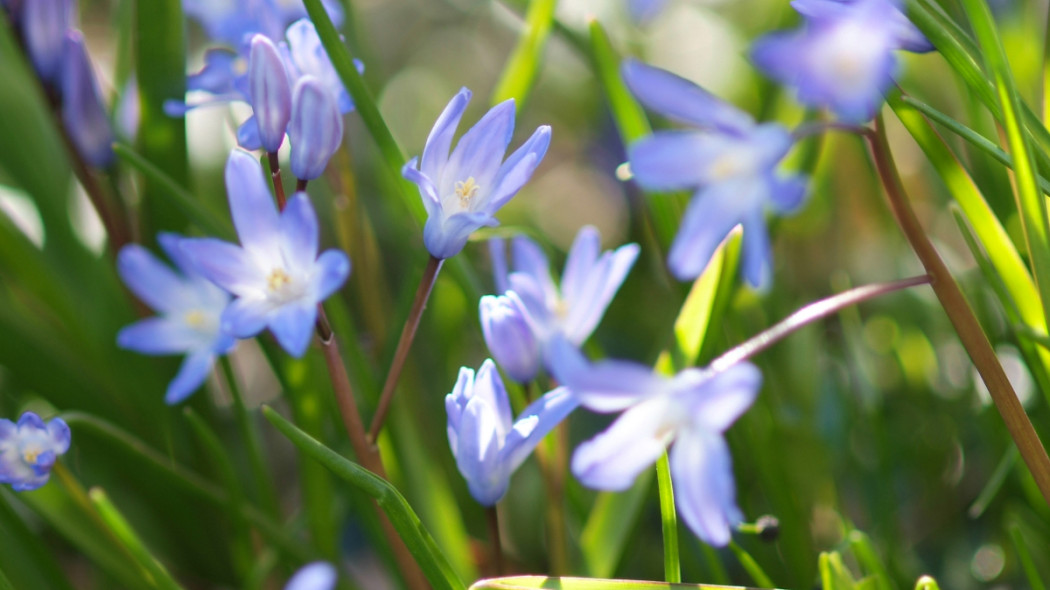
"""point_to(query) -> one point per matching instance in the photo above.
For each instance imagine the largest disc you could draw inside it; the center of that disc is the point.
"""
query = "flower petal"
(481, 149)
(293, 326)
(226, 265)
(247, 316)
(330, 272)
(589, 303)
(756, 252)
(251, 205)
(159, 335)
(314, 576)
(671, 160)
(680, 99)
(191, 376)
(518, 169)
(716, 401)
(300, 234)
(605, 386)
(582, 257)
(711, 215)
(541, 417)
(444, 238)
(150, 280)
(613, 459)
(439, 142)
(704, 490)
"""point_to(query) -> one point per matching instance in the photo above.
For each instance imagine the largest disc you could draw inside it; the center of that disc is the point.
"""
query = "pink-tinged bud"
(316, 128)
(83, 113)
(270, 92)
(44, 25)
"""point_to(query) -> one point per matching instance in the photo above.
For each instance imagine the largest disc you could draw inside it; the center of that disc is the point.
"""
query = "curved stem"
(961, 316)
(404, 344)
(808, 314)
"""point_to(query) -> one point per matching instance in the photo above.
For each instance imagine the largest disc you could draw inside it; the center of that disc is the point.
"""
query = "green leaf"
(869, 558)
(24, 557)
(567, 583)
(610, 523)
(119, 526)
(750, 565)
(669, 520)
(160, 61)
(418, 540)
(520, 72)
(1030, 201)
(365, 105)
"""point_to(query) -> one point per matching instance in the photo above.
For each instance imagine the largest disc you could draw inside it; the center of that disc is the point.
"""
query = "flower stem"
(275, 176)
(300, 185)
(669, 519)
(250, 434)
(961, 316)
(808, 314)
(117, 230)
(492, 516)
(408, 334)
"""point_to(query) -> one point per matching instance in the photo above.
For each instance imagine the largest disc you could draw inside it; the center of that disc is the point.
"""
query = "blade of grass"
(519, 74)
(365, 104)
(750, 565)
(418, 540)
(120, 527)
(669, 520)
(1030, 201)
(568, 583)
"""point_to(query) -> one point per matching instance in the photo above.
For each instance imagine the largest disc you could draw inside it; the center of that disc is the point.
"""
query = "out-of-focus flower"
(314, 576)
(29, 449)
(690, 410)
(190, 307)
(643, 11)
(44, 26)
(83, 112)
(463, 190)
(729, 161)
(271, 94)
(315, 129)
(842, 57)
(509, 335)
(588, 284)
(233, 22)
(487, 444)
(276, 273)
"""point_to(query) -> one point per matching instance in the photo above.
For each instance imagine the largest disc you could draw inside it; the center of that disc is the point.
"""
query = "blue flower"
(842, 57)
(729, 161)
(315, 129)
(233, 22)
(463, 190)
(487, 444)
(190, 307)
(271, 93)
(314, 576)
(276, 273)
(690, 410)
(44, 25)
(29, 449)
(643, 11)
(590, 280)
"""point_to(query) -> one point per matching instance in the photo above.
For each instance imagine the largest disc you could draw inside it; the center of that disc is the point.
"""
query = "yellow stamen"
(466, 190)
(278, 279)
(195, 318)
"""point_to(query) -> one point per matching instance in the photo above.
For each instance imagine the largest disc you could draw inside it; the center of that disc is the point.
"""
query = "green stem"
(115, 522)
(404, 344)
(961, 316)
(669, 518)
(264, 485)
(750, 565)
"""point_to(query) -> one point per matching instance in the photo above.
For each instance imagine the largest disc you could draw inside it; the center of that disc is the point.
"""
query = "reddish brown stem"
(275, 176)
(404, 344)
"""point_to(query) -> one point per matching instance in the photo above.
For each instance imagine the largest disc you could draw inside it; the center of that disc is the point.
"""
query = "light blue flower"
(689, 411)
(729, 161)
(276, 274)
(571, 310)
(233, 22)
(487, 444)
(843, 57)
(83, 112)
(643, 11)
(29, 449)
(463, 190)
(189, 305)
(270, 91)
(315, 129)
(314, 576)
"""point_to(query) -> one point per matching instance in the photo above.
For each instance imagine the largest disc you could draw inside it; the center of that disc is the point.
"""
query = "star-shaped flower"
(189, 306)
(276, 275)
(728, 160)
(29, 449)
(689, 411)
(463, 190)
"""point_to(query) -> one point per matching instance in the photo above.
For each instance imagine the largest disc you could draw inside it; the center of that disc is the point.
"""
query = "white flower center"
(281, 287)
(30, 454)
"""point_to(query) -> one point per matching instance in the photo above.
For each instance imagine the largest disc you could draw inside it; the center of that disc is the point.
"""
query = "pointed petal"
(226, 265)
(529, 259)
(248, 135)
(508, 336)
(330, 272)
(670, 160)
(711, 215)
(83, 112)
(498, 254)
(427, 190)
(271, 94)
(315, 130)
(518, 169)
(716, 401)
(788, 195)
(149, 279)
(293, 325)
(191, 376)
(757, 264)
(489, 386)
(478, 453)
(582, 257)
(481, 149)
(159, 335)
(605, 386)
(588, 305)
(704, 490)
(540, 417)
(299, 232)
(439, 142)
(246, 317)
(680, 99)
(251, 205)
(613, 459)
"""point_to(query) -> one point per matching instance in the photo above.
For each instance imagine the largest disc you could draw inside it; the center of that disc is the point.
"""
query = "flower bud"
(270, 92)
(509, 336)
(83, 113)
(44, 25)
(316, 128)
